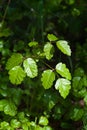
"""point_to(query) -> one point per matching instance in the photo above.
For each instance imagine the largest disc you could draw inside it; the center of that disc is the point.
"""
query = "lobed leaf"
(63, 71)
(16, 75)
(64, 47)
(30, 67)
(63, 85)
(48, 50)
(14, 60)
(48, 77)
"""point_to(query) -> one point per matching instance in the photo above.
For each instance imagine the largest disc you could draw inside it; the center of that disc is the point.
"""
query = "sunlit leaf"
(48, 76)
(10, 109)
(16, 75)
(52, 37)
(48, 50)
(14, 60)
(15, 123)
(43, 120)
(4, 125)
(30, 67)
(64, 47)
(63, 85)
(25, 126)
(31, 44)
(63, 71)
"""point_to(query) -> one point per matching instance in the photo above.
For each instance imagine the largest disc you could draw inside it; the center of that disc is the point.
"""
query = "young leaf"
(14, 60)
(48, 50)
(16, 75)
(43, 121)
(63, 71)
(64, 47)
(63, 85)
(52, 37)
(31, 44)
(48, 76)
(30, 67)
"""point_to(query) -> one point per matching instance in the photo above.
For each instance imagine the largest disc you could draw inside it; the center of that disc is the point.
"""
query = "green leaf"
(14, 60)
(37, 127)
(52, 37)
(25, 126)
(78, 72)
(75, 82)
(47, 128)
(3, 103)
(48, 77)
(15, 123)
(5, 32)
(31, 44)
(10, 109)
(64, 47)
(30, 67)
(85, 98)
(63, 71)
(48, 50)
(85, 80)
(63, 85)
(4, 125)
(43, 121)
(16, 75)
(76, 114)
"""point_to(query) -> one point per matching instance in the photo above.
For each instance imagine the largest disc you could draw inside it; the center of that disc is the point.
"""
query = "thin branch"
(4, 16)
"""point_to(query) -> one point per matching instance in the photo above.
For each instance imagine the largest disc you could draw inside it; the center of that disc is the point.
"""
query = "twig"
(4, 16)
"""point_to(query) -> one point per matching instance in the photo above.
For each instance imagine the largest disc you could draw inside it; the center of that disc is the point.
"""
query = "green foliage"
(63, 71)
(47, 79)
(43, 121)
(32, 44)
(63, 85)
(16, 75)
(43, 86)
(48, 50)
(8, 107)
(52, 37)
(64, 47)
(15, 60)
(76, 114)
(30, 67)
(15, 123)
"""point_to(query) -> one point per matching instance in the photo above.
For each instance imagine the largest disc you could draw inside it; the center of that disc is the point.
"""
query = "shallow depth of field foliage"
(43, 65)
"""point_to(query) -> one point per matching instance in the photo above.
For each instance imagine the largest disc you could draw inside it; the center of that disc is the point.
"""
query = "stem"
(49, 66)
(4, 16)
